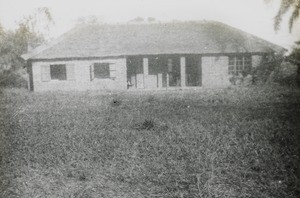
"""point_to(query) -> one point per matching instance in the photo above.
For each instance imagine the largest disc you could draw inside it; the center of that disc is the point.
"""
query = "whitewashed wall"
(82, 79)
(215, 71)
(256, 60)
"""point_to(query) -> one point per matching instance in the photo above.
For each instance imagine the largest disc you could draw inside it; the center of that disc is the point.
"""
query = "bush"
(268, 66)
(10, 79)
(286, 74)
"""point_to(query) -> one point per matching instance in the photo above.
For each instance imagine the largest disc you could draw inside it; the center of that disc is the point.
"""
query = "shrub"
(266, 69)
(10, 79)
(286, 74)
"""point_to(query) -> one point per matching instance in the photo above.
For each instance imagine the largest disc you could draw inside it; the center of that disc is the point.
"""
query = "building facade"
(146, 56)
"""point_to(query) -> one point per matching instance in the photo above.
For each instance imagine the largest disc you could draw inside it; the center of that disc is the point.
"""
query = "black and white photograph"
(150, 99)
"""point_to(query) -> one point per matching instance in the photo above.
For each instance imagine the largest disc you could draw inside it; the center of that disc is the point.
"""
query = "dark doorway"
(173, 64)
(163, 71)
(135, 71)
(168, 66)
(193, 70)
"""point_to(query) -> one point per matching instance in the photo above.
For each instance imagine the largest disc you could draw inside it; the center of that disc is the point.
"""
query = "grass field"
(205, 143)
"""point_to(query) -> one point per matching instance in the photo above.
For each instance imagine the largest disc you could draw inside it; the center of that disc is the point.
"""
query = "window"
(58, 72)
(239, 65)
(102, 71)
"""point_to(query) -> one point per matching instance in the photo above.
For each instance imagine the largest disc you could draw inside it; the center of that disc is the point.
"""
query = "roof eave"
(26, 57)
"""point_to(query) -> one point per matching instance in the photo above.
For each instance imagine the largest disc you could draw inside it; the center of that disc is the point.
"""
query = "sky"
(252, 16)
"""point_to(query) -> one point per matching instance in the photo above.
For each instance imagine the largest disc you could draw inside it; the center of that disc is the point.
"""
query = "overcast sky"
(253, 16)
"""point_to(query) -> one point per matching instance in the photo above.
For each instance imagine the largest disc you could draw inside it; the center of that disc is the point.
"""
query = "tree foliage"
(295, 54)
(91, 20)
(294, 58)
(30, 32)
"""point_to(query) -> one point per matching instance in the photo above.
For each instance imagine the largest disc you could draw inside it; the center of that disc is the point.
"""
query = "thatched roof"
(204, 37)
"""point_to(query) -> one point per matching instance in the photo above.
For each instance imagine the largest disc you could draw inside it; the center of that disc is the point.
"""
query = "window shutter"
(92, 75)
(45, 73)
(70, 72)
(112, 71)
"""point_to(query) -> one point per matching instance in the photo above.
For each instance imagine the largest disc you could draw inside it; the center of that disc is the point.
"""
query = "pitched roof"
(159, 38)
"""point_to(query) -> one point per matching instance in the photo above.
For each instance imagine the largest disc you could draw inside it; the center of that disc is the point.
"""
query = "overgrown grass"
(205, 143)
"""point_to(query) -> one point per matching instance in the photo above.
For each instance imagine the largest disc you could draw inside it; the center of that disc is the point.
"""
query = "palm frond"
(294, 15)
(284, 7)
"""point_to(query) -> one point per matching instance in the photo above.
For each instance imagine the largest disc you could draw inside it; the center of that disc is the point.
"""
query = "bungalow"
(146, 56)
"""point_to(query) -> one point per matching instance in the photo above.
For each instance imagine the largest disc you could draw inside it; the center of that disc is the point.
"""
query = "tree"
(34, 28)
(137, 20)
(28, 34)
(1, 30)
(294, 58)
(294, 6)
(91, 20)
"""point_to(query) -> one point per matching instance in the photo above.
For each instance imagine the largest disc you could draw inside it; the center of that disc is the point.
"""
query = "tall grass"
(205, 143)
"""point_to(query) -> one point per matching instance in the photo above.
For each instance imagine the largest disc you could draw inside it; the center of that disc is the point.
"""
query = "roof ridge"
(148, 23)
(36, 51)
(84, 40)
